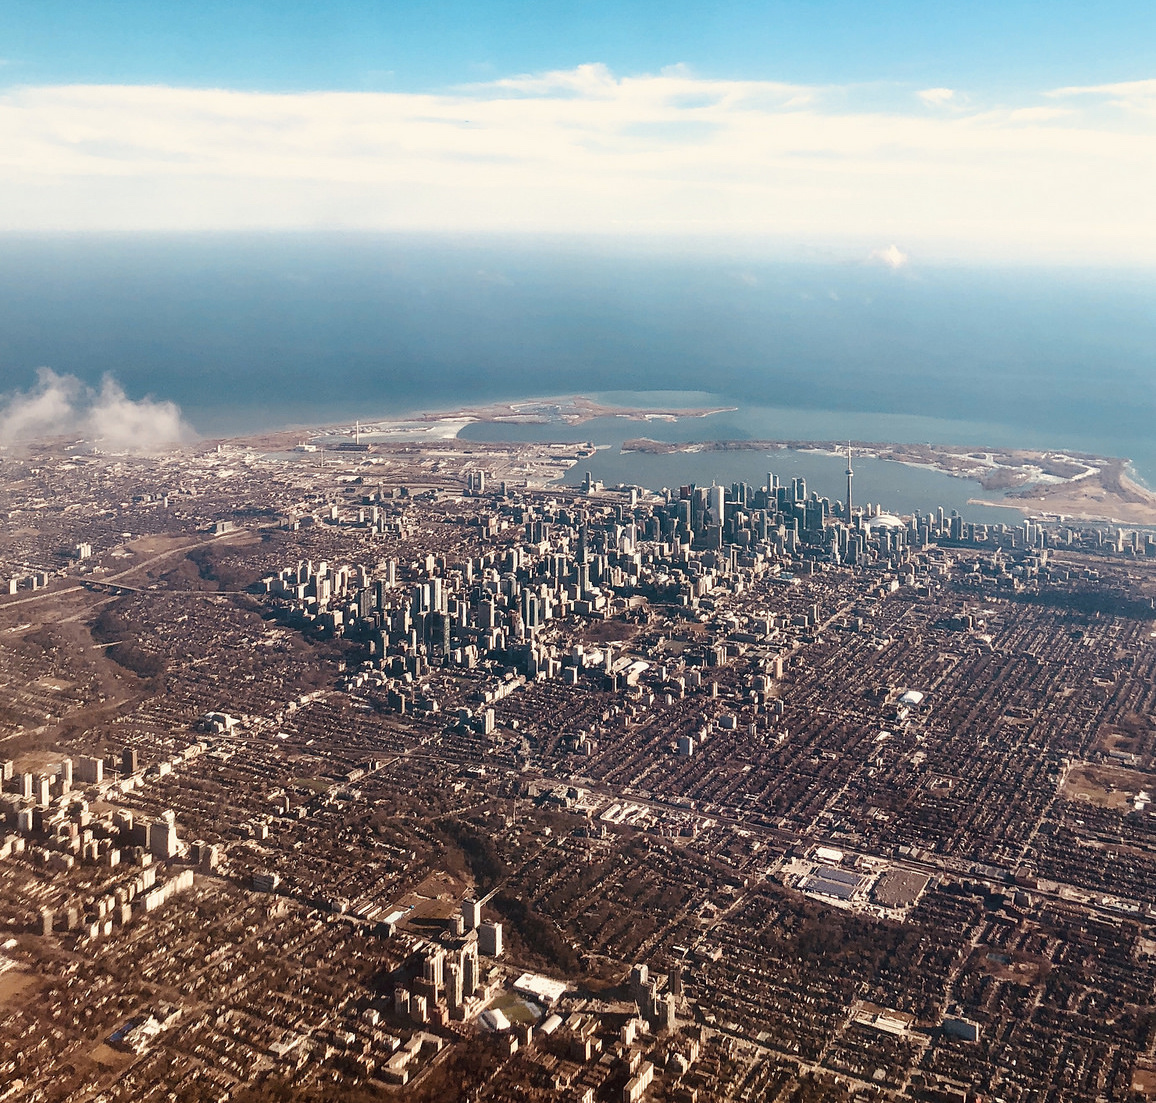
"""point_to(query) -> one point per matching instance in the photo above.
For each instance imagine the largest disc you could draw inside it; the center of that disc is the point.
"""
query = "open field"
(1107, 786)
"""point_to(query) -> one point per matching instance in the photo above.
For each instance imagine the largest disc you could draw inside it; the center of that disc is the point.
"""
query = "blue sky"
(1002, 47)
(884, 129)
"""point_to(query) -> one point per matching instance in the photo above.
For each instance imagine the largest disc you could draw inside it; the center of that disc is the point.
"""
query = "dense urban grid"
(395, 771)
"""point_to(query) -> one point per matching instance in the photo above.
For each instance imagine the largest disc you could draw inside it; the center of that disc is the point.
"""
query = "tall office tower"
(162, 837)
(716, 504)
(813, 516)
(129, 761)
(365, 603)
(850, 473)
(639, 980)
(43, 790)
(471, 974)
(433, 968)
(454, 985)
(419, 599)
(438, 627)
(490, 939)
(799, 488)
(471, 913)
(66, 770)
(531, 611)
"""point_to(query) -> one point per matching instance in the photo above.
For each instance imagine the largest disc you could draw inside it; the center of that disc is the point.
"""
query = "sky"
(1006, 131)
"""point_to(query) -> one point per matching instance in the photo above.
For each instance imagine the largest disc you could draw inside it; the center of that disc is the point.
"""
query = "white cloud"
(936, 97)
(1144, 88)
(1038, 114)
(1130, 97)
(61, 405)
(892, 257)
(588, 80)
(48, 409)
(584, 150)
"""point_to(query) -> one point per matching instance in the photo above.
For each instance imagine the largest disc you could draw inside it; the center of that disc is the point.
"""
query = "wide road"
(142, 565)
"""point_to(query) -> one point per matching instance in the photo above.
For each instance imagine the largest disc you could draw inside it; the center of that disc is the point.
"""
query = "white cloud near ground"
(892, 257)
(586, 151)
(61, 405)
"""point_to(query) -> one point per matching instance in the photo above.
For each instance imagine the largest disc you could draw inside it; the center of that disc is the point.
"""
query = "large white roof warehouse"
(542, 989)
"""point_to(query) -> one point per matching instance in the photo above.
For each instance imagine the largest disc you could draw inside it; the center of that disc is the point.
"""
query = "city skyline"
(397, 770)
(577, 553)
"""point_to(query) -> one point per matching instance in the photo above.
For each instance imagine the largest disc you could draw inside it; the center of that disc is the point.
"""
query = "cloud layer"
(61, 405)
(1067, 174)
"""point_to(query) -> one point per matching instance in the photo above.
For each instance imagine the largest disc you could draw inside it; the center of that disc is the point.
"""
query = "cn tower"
(850, 473)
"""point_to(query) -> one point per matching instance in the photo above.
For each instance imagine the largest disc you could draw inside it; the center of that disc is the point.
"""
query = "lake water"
(897, 487)
(250, 332)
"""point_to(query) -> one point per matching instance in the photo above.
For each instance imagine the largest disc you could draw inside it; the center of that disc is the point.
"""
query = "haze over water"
(258, 331)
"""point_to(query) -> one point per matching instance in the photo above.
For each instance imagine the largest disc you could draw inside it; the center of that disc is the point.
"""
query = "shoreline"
(1051, 483)
(1047, 483)
(1113, 497)
(448, 423)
